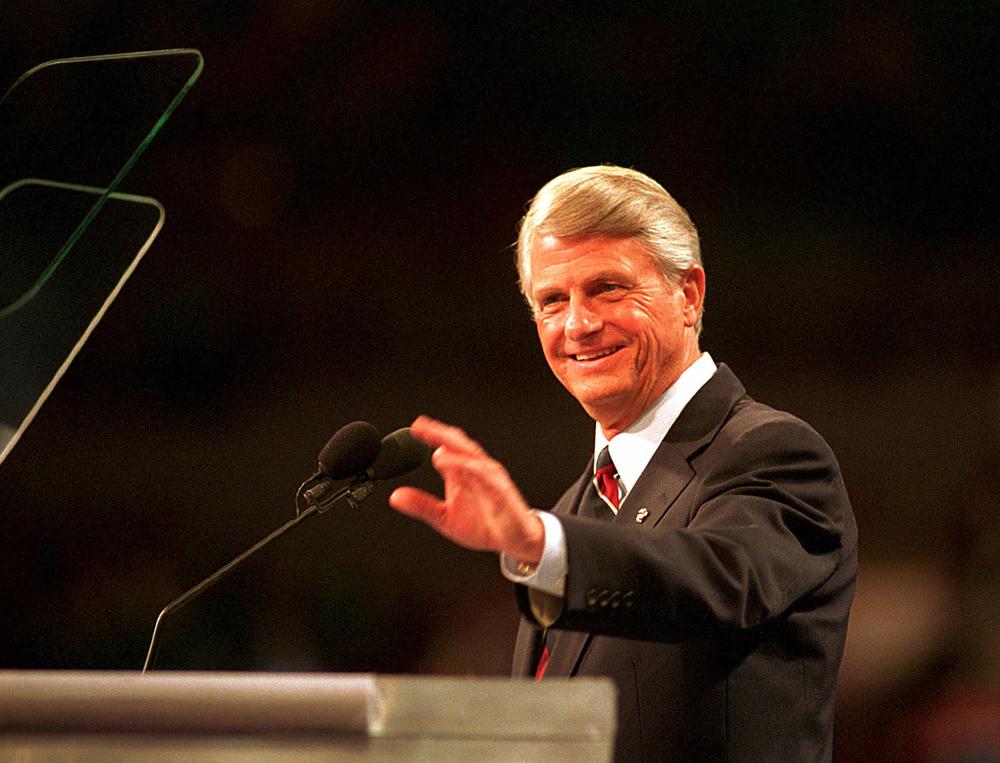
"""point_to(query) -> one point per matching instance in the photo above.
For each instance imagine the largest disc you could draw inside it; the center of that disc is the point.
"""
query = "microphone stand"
(320, 497)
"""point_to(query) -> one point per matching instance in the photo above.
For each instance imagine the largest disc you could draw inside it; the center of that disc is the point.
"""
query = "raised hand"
(482, 509)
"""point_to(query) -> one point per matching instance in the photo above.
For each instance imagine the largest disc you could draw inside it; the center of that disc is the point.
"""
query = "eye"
(548, 300)
(609, 288)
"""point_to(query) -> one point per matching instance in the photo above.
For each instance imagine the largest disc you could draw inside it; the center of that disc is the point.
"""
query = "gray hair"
(610, 201)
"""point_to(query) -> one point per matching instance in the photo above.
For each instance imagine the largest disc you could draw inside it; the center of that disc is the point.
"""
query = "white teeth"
(594, 355)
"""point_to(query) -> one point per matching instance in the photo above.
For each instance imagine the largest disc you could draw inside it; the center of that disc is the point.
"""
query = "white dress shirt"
(630, 451)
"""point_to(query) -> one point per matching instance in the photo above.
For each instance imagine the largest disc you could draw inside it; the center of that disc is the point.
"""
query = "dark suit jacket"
(721, 617)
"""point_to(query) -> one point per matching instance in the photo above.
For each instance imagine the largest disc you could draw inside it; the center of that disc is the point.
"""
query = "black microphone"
(350, 451)
(354, 451)
(398, 453)
(401, 453)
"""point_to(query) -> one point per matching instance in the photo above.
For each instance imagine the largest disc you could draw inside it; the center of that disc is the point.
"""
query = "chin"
(597, 399)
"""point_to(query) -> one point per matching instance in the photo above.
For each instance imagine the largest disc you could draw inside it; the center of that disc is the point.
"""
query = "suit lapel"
(570, 500)
(669, 470)
(663, 479)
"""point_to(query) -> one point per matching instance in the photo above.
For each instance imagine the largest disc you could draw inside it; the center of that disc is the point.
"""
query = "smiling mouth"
(583, 357)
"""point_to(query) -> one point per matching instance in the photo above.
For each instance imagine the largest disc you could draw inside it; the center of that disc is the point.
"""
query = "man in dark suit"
(706, 558)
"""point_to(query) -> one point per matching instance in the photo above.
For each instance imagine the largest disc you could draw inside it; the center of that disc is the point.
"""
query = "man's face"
(615, 331)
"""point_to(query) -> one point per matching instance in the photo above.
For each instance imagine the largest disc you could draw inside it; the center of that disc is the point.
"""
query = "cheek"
(650, 331)
(548, 336)
(634, 322)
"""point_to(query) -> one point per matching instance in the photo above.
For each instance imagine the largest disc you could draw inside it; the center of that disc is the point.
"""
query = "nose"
(581, 319)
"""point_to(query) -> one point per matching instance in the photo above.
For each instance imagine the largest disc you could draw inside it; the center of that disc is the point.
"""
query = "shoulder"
(760, 450)
(754, 434)
(750, 421)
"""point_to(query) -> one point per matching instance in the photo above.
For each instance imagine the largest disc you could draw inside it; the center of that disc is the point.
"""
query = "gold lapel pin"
(641, 515)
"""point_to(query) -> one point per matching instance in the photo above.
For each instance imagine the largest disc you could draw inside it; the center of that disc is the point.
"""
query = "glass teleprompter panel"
(71, 131)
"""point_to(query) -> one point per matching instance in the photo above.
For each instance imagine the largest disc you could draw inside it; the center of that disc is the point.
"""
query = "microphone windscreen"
(350, 451)
(401, 453)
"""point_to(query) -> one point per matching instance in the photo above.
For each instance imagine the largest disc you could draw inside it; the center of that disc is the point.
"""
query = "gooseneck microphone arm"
(352, 495)
(354, 452)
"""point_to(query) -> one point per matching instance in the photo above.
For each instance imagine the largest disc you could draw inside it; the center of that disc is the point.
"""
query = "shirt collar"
(632, 448)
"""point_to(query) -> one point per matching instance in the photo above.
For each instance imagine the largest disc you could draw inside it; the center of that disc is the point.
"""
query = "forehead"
(558, 259)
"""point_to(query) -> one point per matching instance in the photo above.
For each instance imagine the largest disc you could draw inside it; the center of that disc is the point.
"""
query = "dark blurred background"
(342, 188)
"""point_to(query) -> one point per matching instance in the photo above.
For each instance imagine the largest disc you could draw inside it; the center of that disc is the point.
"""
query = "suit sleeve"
(764, 521)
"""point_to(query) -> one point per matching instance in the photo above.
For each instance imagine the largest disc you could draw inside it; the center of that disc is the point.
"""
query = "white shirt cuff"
(550, 574)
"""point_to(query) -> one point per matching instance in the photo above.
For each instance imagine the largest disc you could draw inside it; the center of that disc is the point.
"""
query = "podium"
(223, 717)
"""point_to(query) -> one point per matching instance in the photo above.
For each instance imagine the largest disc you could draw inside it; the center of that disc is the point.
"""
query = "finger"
(436, 433)
(416, 503)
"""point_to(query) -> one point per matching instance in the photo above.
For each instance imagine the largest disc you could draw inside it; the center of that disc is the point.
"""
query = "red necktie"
(606, 481)
(596, 504)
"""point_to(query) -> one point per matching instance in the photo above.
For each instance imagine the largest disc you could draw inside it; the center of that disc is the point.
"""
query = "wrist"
(529, 553)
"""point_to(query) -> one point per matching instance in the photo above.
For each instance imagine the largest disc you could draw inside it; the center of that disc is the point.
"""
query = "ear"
(692, 288)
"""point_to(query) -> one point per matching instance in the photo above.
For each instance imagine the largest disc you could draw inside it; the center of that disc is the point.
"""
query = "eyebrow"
(625, 277)
(606, 274)
(610, 275)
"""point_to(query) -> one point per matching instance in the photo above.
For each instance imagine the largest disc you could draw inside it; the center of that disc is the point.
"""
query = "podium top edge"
(362, 704)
